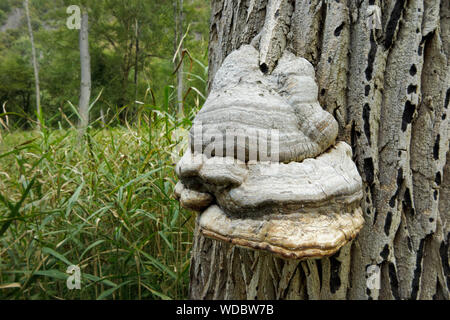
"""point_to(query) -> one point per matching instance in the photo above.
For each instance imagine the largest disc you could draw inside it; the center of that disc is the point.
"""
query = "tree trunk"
(35, 65)
(136, 68)
(388, 88)
(179, 23)
(85, 59)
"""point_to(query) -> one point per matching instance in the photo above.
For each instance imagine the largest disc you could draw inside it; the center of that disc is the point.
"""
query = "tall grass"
(102, 201)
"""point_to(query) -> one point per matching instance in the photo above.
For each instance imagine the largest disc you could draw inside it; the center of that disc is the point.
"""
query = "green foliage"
(116, 29)
(5, 7)
(103, 202)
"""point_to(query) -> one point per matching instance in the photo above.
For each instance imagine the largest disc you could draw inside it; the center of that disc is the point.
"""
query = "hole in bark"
(437, 179)
(393, 281)
(385, 253)
(399, 178)
(436, 147)
(353, 136)
(319, 271)
(420, 50)
(369, 170)
(392, 23)
(413, 70)
(263, 67)
(371, 57)
(407, 114)
(412, 88)
(392, 202)
(337, 31)
(417, 271)
(387, 224)
(366, 117)
(447, 98)
(335, 280)
(407, 203)
(443, 253)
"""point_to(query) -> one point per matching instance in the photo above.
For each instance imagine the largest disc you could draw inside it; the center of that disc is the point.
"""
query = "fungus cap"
(293, 236)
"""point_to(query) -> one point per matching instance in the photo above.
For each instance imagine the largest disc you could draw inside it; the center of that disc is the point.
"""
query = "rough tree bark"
(35, 64)
(85, 59)
(389, 91)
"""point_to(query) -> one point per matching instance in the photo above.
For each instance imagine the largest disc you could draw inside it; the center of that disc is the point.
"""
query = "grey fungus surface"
(302, 200)
(328, 181)
(247, 107)
(191, 199)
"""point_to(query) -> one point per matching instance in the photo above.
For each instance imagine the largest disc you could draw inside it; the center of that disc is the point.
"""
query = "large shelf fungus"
(247, 105)
(263, 167)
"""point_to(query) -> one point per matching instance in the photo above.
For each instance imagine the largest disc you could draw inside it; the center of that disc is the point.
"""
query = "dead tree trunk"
(388, 87)
(85, 86)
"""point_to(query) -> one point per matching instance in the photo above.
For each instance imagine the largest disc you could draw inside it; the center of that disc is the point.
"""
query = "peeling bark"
(389, 91)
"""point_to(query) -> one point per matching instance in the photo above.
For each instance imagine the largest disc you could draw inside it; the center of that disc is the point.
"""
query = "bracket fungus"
(263, 166)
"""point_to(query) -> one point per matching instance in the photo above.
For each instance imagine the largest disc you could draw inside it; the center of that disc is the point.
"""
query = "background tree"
(131, 57)
(179, 30)
(85, 60)
(389, 90)
(35, 64)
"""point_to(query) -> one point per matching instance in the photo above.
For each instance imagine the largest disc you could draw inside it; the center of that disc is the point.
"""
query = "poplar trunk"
(388, 87)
